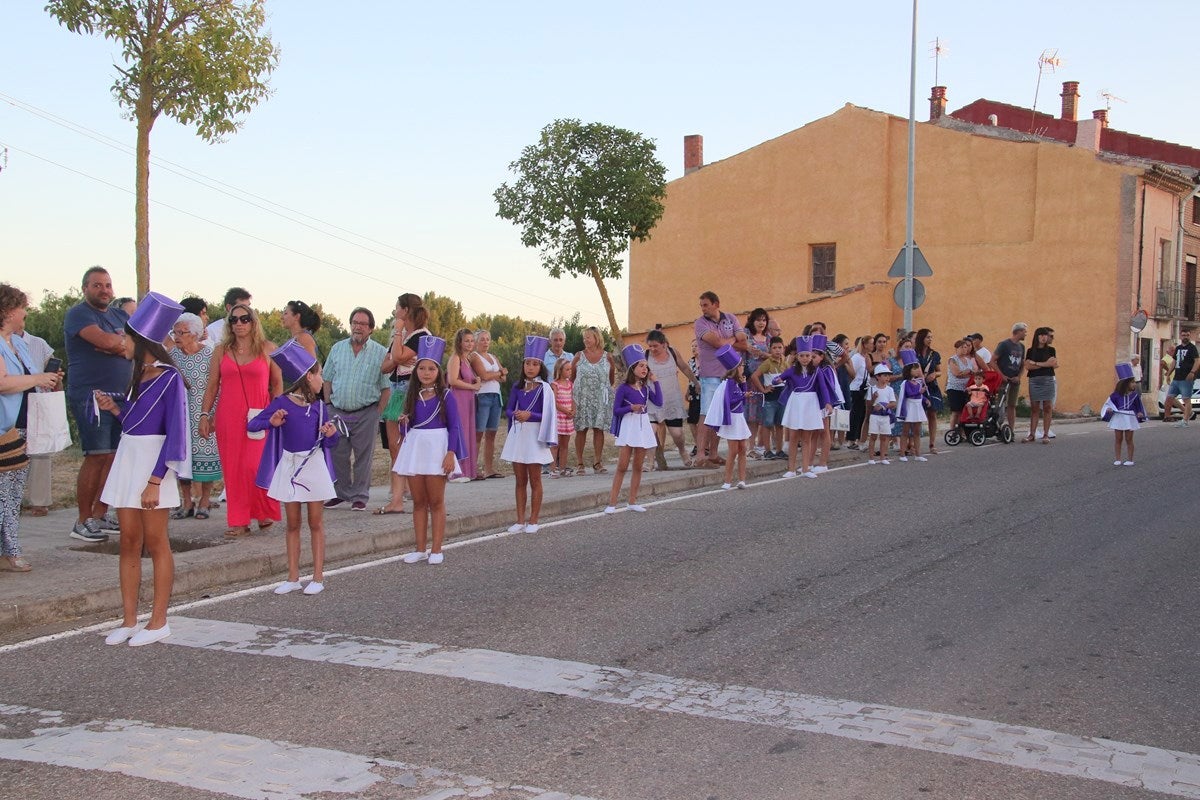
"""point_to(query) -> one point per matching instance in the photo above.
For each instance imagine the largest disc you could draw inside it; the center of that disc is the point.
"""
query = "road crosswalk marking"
(1171, 772)
(232, 764)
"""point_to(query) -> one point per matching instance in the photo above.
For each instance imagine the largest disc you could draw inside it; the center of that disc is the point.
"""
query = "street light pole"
(912, 152)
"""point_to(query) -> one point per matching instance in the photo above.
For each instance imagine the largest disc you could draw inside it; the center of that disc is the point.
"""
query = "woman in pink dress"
(244, 380)
(464, 383)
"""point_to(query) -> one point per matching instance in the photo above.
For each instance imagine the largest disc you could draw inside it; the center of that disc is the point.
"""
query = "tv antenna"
(1048, 61)
(1108, 97)
(938, 50)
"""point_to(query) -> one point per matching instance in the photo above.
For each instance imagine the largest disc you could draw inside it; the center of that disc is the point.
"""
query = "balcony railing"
(1175, 300)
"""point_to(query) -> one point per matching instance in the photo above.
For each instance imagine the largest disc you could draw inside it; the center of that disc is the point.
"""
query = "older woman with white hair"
(193, 357)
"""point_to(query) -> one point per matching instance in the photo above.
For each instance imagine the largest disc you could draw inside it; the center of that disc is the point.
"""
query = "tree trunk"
(141, 203)
(612, 318)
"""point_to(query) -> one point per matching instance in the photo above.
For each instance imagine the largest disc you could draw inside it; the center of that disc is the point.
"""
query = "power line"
(215, 185)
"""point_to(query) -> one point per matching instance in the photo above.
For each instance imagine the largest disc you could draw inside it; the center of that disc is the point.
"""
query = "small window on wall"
(1196, 210)
(824, 267)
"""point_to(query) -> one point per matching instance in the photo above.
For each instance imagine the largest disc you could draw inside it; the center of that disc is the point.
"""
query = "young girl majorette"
(911, 405)
(827, 375)
(433, 443)
(564, 407)
(154, 452)
(882, 406)
(808, 403)
(727, 414)
(531, 431)
(297, 462)
(631, 424)
(1124, 412)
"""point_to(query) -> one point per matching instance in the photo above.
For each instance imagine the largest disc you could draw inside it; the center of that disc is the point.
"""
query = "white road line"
(232, 764)
(1167, 771)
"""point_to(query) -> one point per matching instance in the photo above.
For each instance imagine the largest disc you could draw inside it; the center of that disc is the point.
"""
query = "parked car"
(1195, 402)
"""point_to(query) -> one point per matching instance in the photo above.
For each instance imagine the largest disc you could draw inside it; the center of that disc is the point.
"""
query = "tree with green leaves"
(201, 62)
(580, 195)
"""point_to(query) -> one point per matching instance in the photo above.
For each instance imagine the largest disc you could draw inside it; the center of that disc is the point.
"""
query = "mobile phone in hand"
(54, 365)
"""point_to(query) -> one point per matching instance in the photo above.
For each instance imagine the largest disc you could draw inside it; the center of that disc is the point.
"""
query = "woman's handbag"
(48, 431)
(12, 451)
(840, 421)
(253, 412)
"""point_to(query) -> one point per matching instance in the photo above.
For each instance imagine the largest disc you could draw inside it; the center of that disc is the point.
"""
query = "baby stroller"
(978, 424)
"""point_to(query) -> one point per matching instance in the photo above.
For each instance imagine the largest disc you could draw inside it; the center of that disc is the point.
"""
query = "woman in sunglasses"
(242, 381)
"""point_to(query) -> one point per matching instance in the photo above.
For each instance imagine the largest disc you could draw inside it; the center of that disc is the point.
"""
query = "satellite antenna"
(1048, 61)
(938, 50)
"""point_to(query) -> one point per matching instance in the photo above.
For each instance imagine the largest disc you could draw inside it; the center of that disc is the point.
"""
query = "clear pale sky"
(396, 122)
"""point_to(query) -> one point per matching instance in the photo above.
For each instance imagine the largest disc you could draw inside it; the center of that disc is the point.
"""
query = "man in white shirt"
(980, 350)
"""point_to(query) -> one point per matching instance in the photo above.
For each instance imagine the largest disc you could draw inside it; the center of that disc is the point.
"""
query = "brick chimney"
(1070, 100)
(693, 153)
(1102, 115)
(937, 103)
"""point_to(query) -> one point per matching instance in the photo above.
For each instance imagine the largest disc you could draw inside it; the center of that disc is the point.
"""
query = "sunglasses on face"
(242, 319)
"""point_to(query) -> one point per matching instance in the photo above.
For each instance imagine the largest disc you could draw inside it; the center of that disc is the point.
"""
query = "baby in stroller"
(979, 397)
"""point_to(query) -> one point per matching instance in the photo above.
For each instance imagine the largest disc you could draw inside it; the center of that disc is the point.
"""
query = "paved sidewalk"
(73, 579)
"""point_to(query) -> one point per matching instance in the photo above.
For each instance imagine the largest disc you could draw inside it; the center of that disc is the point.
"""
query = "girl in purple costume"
(142, 485)
(1124, 413)
(730, 424)
(432, 440)
(297, 471)
(912, 403)
(808, 403)
(827, 377)
(531, 428)
(631, 425)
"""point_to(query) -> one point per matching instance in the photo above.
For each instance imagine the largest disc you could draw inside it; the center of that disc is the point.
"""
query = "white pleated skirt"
(521, 445)
(914, 410)
(737, 429)
(1124, 422)
(803, 413)
(881, 425)
(130, 471)
(636, 431)
(422, 453)
(311, 484)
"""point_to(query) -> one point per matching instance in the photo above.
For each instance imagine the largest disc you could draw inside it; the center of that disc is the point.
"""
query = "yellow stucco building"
(1015, 227)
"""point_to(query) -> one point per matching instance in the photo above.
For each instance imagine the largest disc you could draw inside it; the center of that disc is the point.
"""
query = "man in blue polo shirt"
(95, 340)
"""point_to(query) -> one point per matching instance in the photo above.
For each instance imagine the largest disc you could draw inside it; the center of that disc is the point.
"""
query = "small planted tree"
(201, 62)
(580, 195)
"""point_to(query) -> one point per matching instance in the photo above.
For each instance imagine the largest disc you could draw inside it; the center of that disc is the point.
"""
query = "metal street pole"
(912, 152)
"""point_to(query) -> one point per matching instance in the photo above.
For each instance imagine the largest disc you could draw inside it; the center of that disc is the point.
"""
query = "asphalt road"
(1002, 622)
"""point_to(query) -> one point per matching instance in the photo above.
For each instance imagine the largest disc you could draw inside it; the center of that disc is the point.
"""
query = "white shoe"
(1051, 435)
(532, 527)
(921, 458)
(119, 635)
(436, 558)
(872, 461)
(726, 485)
(610, 509)
(811, 474)
(904, 459)
(1117, 463)
(288, 586)
(516, 528)
(819, 469)
(414, 557)
(637, 508)
(1127, 464)
(790, 474)
(314, 588)
(741, 484)
(146, 636)
(885, 462)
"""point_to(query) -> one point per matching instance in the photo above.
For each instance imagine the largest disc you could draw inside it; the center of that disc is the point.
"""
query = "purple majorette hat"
(293, 361)
(908, 357)
(431, 347)
(728, 357)
(819, 341)
(1124, 371)
(155, 316)
(803, 344)
(633, 353)
(536, 347)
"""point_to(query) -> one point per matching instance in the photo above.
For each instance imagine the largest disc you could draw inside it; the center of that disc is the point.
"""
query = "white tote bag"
(47, 430)
(841, 420)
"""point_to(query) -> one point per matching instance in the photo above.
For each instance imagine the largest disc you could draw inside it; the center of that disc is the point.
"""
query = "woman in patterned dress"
(594, 375)
(192, 357)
